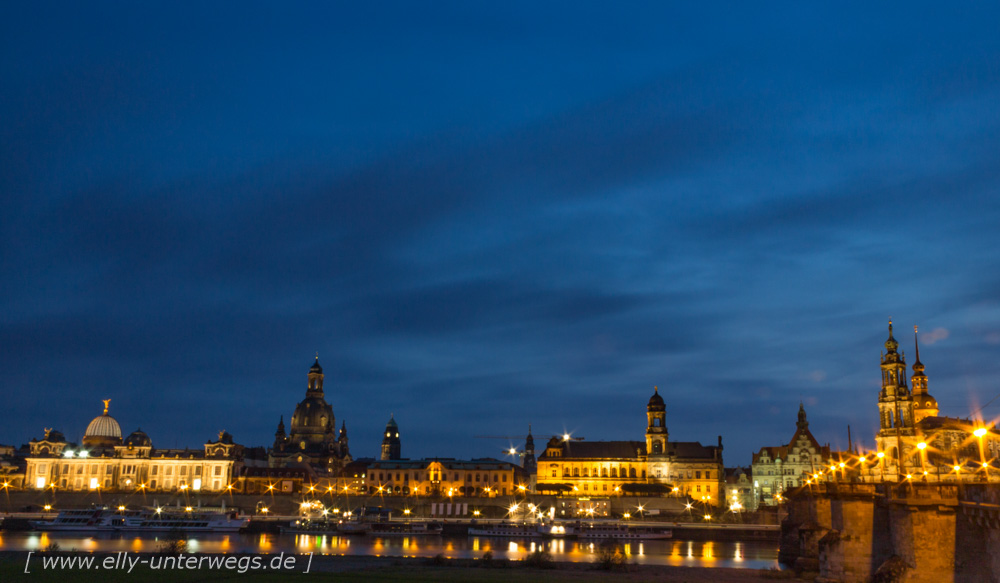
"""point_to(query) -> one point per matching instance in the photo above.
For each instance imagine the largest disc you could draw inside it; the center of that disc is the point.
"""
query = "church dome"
(656, 401)
(138, 438)
(312, 416)
(103, 430)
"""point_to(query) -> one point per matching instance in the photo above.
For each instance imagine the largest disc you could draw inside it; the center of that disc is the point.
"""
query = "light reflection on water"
(749, 554)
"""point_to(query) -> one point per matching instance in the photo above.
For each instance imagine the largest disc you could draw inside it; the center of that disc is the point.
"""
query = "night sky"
(485, 216)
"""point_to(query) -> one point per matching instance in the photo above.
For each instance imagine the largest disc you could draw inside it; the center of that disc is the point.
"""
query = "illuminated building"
(914, 441)
(781, 468)
(445, 477)
(313, 440)
(107, 462)
(614, 468)
(739, 488)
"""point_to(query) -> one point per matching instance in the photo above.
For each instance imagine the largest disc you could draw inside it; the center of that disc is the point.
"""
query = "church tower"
(390, 443)
(895, 405)
(656, 424)
(280, 438)
(924, 405)
(312, 438)
(528, 462)
(895, 402)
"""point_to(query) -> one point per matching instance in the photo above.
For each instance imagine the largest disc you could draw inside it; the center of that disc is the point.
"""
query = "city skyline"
(485, 217)
(516, 443)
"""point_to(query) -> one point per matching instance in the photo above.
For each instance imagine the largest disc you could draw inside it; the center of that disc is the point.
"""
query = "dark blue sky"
(483, 217)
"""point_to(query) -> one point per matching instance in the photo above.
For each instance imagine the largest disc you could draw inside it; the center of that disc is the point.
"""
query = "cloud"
(934, 336)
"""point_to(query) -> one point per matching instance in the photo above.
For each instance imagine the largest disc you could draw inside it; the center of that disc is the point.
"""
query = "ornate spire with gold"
(895, 401)
(924, 405)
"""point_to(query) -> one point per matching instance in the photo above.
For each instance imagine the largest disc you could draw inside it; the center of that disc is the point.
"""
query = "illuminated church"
(914, 442)
(312, 440)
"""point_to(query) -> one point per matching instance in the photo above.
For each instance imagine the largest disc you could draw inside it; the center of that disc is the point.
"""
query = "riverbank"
(111, 568)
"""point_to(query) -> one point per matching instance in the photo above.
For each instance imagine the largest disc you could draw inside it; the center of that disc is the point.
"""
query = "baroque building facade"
(441, 477)
(107, 462)
(656, 465)
(914, 442)
(312, 440)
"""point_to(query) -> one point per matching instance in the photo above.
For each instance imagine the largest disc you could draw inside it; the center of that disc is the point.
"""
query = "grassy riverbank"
(343, 569)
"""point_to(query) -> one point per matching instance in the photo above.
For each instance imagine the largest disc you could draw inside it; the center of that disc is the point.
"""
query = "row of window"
(94, 483)
(93, 469)
(435, 476)
(597, 473)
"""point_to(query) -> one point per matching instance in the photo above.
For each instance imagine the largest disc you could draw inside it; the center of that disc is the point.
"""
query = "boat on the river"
(505, 529)
(103, 519)
(405, 529)
(387, 528)
(619, 531)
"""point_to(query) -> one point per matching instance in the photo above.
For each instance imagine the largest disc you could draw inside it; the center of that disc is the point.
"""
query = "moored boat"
(505, 529)
(620, 531)
(405, 529)
(103, 519)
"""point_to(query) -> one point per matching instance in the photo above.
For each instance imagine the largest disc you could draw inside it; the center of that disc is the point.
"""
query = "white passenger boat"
(103, 519)
(505, 529)
(620, 531)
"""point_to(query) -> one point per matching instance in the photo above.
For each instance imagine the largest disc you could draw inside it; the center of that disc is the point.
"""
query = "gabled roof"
(733, 474)
(783, 451)
(804, 432)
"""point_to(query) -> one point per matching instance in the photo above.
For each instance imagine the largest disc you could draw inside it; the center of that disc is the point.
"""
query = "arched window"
(604, 472)
(631, 472)
(576, 472)
(614, 472)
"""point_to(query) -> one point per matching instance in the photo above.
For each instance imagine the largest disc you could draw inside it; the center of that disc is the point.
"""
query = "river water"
(752, 554)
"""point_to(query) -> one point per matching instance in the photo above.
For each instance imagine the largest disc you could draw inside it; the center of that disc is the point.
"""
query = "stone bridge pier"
(908, 532)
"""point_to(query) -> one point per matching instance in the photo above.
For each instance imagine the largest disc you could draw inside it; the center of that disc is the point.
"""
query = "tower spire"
(891, 345)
